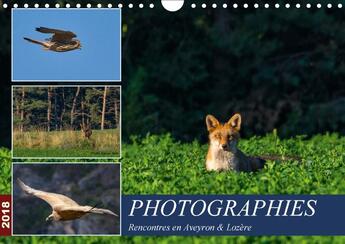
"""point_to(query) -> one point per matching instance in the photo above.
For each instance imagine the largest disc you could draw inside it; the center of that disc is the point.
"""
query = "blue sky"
(97, 29)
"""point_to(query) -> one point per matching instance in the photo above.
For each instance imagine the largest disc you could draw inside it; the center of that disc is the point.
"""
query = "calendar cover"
(172, 121)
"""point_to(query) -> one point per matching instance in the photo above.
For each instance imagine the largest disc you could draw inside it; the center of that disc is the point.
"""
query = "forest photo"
(66, 121)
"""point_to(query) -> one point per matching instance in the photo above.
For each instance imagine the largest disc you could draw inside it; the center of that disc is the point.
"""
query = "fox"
(223, 154)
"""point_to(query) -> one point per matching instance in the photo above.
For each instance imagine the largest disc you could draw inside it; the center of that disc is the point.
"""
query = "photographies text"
(223, 208)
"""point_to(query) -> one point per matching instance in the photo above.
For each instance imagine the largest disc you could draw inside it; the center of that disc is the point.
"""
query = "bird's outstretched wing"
(86, 209)
(52, 199)
(102, 211)
(58, 35)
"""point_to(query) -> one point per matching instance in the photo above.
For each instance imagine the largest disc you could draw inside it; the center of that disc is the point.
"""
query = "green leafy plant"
(159, 165)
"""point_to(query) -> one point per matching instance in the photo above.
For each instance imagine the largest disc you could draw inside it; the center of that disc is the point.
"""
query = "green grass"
(158, 165)
(51, 152)
(104, 143)
(178, 239)
(5, 171)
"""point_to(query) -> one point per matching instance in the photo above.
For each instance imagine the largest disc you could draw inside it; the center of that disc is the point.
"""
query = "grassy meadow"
(170, 167)
(102, 143)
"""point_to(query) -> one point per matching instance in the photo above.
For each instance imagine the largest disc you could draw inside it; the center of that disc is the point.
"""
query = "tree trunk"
(116, 111)
(103, 107)
(63, 108)
(22, 110)
(49, 110)
(17, 104)
(56, 120)
(17, 111)
(82, 113)
(74, 104)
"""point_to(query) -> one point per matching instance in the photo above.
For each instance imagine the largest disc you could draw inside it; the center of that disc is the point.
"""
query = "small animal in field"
(61, 41)
(223, 153)
(64, 208)
(86, 129)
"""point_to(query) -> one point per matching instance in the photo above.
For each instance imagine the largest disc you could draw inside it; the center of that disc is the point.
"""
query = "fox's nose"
(224, 146)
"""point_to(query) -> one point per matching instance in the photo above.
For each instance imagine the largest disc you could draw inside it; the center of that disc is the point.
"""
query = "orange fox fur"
(223, 153)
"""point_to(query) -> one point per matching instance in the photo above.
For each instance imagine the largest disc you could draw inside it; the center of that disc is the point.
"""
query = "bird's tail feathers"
(36, 42)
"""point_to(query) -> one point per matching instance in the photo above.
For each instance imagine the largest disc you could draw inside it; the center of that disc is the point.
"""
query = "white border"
(71, 163)
(68, 9)
(203, 5)
(116, 158)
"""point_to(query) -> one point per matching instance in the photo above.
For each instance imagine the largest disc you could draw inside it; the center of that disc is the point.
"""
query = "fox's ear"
(235, 121)
(211, 122)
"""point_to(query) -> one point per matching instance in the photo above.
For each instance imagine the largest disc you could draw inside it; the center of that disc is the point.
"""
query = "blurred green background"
(280, 68)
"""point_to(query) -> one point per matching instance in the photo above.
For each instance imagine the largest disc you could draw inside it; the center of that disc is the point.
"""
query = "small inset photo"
(66, 199)
(66, 122)
(66, 45)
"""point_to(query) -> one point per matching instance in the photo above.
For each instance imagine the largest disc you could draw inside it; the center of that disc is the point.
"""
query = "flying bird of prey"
(61, 41)
(64, 208)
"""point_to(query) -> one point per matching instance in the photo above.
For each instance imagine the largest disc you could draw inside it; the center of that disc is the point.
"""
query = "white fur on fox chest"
(218, 159)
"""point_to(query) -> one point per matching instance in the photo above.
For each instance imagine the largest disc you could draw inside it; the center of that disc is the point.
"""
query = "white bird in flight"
(64, 208)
